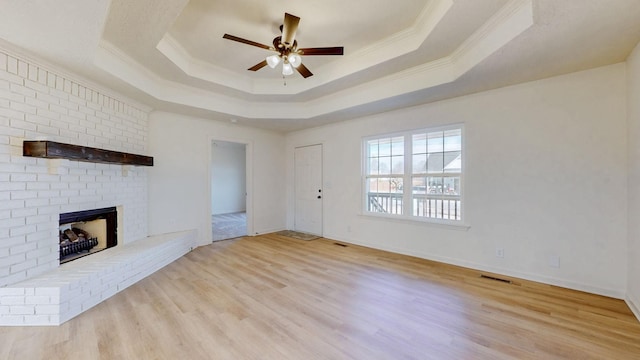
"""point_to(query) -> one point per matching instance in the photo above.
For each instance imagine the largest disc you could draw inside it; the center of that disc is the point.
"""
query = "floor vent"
(495, 278)
(343, 245)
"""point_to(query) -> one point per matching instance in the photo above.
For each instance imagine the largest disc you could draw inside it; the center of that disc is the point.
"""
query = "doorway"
(308, 189)
(228, 190)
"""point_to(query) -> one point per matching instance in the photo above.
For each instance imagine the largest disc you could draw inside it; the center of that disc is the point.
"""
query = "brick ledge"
(53, 298)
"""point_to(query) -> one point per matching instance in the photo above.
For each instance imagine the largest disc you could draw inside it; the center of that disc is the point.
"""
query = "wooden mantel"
(56, 150)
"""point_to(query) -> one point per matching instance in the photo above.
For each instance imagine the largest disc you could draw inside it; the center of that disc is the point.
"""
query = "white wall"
(545, 175)
(179, 185)
(228, 173)
(633, 80)
(40, 102)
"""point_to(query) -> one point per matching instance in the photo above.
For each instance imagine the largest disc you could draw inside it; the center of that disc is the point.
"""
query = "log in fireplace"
(86, 232)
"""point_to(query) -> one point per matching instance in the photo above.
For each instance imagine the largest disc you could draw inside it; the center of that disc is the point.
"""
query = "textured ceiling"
(170, 54)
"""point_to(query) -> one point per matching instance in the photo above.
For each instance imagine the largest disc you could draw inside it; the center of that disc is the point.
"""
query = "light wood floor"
(272, 297)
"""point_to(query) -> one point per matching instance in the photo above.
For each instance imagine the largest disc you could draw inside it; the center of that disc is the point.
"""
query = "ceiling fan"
(286, 48)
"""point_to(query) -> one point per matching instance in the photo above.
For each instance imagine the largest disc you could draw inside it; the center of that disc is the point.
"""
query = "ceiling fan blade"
(245, 41)
(289, 29)
(338, 50)
(304, 71)
(258, 66)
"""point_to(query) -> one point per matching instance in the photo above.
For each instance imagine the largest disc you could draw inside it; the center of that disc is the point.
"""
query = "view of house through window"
(429, 161)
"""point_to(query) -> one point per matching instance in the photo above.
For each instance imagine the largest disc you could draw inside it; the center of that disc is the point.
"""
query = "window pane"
(442, 200)
(450, 162)
(435, 163)
(419, 143)
(397, 146)
(384, 165)
(373, 167)
(388, 195)
(386, 156)
(452, 186)
(419, 163)
(453, 140)
(392, 185)
(435, 185)
(419, 185)
(372, 185)
(444, 185)
(372, 145)
(397, 164)
(384, 147)
(395, 185)
(435, 142)
(453, 162)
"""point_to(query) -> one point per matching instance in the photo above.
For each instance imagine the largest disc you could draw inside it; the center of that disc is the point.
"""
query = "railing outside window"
(447, 208)
(385, 203)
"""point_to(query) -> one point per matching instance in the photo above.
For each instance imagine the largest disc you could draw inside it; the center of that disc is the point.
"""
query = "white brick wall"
(37, 103)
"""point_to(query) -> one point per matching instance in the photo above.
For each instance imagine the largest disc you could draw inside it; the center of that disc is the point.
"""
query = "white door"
(308, 189)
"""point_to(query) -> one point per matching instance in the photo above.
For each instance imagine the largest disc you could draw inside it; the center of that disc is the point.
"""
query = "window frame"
(408, 176)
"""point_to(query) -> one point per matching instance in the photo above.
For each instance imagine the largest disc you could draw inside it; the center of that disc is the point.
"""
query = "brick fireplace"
(40, 102)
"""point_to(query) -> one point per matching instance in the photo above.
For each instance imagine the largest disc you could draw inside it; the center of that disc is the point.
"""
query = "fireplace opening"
(87, 232)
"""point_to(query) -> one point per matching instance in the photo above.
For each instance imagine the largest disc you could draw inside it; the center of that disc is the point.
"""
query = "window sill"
(425, 222)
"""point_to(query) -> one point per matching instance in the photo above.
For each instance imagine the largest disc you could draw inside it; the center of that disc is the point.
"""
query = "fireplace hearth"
(86, 232)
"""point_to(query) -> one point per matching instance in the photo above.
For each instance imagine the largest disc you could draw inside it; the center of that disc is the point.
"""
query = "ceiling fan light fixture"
(273, 61)
(287, 69)
(295, 59)
(286, 48)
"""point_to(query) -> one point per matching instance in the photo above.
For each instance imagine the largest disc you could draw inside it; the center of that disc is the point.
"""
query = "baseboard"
(267, 231)
(618, 294)
(634, 305)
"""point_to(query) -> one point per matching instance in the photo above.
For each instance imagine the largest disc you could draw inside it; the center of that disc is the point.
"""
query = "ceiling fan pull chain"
(284, 80)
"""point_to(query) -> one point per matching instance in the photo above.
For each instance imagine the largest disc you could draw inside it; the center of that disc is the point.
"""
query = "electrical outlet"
(554, 261)
(499, 252)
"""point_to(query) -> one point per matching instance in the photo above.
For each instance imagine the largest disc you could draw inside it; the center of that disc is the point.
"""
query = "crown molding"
(396, 45)
(510, 21)
(196, 68)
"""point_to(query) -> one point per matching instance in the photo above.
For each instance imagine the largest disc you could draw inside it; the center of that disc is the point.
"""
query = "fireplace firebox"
(86, 232)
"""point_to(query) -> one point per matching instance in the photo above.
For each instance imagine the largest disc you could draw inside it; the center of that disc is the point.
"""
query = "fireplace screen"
(84, 233)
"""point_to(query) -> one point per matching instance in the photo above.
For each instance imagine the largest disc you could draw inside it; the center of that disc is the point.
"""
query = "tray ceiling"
(171, 56)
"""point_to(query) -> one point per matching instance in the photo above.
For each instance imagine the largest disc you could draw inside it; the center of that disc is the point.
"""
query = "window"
(415, 175)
